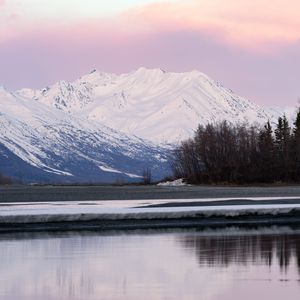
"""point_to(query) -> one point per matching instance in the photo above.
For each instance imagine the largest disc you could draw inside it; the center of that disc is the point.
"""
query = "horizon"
(251, 48)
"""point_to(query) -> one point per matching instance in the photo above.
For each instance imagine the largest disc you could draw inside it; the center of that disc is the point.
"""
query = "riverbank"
(88, 193)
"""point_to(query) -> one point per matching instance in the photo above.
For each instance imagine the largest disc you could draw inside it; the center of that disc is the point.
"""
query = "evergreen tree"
(282, 150)
(295, 149)
(286, 145)
(278, 150)
(266, 148)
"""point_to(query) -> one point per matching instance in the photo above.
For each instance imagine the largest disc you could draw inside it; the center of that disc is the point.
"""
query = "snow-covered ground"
(177, 182)
(12, 213)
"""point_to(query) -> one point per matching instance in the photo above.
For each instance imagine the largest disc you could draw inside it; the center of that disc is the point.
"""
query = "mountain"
(106, 127)
(160, 106)
(39, 143)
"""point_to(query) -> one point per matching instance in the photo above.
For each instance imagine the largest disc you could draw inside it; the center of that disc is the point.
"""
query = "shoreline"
(94, 193)
(147, 225)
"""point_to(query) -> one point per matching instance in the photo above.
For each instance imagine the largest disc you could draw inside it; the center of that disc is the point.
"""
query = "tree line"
(226, 153)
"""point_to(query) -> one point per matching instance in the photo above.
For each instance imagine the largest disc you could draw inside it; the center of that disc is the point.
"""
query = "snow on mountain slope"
(54, 145)
(152, 104)
(97, 129)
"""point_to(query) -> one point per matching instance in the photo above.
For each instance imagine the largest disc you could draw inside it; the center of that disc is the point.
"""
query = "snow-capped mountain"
(105, 127)
(42, 143)
(152, 104)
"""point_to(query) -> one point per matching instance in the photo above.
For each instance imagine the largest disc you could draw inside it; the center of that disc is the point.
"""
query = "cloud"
(255, 25)
(249, 46)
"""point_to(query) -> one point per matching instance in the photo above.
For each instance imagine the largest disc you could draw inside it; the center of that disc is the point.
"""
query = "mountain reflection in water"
(210, 264)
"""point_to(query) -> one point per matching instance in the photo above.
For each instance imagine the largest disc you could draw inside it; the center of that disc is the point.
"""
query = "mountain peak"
(151, 103)
(143, 70)
(96, 77)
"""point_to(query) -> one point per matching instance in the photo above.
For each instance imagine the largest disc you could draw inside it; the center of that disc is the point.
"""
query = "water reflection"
(237, 246)
(211, 264)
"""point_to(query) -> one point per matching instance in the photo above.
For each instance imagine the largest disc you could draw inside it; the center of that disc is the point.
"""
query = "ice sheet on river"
(137, 210)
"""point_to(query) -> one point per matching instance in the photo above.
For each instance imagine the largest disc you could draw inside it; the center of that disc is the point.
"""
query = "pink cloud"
(256, 24)
(180, 36)
(13, 17)
(262, 26)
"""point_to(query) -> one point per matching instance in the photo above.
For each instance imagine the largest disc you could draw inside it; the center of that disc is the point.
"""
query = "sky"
(252, 47)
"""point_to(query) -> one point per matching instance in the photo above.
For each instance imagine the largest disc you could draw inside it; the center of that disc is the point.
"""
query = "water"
(83, 193)
(228, 264)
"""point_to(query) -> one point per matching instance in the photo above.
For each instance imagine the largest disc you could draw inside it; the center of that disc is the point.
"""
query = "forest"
(241, 154)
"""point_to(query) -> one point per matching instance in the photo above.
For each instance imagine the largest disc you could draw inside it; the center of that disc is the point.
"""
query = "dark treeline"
(225, 153)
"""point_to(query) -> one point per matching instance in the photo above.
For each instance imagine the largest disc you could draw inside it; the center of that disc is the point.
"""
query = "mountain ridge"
(163, 107)
(105, 127)
(54, 144)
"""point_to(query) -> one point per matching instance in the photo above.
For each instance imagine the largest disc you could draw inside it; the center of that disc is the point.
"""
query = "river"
(229, 263)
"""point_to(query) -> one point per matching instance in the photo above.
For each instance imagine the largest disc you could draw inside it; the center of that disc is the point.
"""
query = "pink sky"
(252, 47)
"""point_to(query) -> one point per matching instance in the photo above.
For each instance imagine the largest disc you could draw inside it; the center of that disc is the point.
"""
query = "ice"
(134, 209)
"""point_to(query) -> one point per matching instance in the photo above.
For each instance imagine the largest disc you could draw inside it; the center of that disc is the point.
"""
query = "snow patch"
(111, 170)
(177, 182)
(57, 172)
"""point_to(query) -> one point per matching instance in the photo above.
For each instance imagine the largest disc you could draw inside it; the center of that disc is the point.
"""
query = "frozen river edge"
(148, 214)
